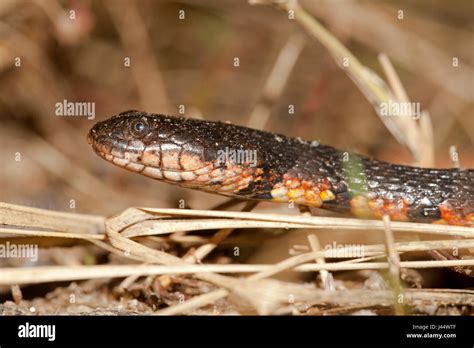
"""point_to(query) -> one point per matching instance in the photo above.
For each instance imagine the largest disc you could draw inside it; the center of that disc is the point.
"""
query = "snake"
(250, 164)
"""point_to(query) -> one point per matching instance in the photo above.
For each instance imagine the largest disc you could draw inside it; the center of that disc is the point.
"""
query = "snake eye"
(139, 128)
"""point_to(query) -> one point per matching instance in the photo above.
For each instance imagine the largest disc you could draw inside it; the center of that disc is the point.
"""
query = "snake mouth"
(195, 178)
(136, 157)
(200, 177)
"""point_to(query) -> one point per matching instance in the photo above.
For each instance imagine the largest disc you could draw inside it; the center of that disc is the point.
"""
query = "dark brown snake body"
(252, 164)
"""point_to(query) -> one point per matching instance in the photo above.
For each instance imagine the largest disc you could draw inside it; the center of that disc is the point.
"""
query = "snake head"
(119, 135)
(189, 152)
(157, 146)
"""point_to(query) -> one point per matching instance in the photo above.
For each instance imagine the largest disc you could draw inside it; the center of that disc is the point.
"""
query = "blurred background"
(217, 60)
(183, 54)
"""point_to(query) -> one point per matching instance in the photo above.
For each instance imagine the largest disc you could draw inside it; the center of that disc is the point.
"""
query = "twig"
(154, 227)
(370, 84)
(372, 28)
(418, 135)
(16, 294)
(21, 216)
(315, 246)
(145, 71)
(276, 81)
(218, 238)
(42, 274)
(393, 266)
(314, 221)
(51, 234)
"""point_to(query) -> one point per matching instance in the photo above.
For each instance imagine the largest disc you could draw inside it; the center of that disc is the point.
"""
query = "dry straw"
(266, 295)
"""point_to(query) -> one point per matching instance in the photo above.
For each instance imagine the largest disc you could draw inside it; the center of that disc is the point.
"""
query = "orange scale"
(453, 216)
(312, 198)
(292, 183)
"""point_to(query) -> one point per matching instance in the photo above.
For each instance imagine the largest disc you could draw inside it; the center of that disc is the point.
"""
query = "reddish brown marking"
(456, 215)
(325, 185)
(363, 207)
(302, 191)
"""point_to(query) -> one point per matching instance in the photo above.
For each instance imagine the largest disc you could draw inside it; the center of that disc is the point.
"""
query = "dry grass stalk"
(276, 81)
(304, 221)
(21, 216)
(393, 266)
(316, 246)
(266, 295)
(42, 274)
(417, 137)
